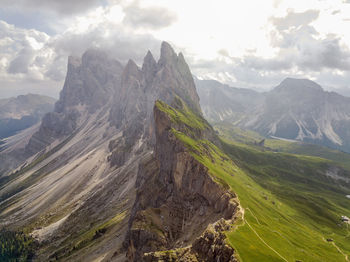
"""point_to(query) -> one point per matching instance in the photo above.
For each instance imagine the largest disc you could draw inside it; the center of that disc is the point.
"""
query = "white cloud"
(152, 17)
(63, 7)
(19, 49)
(246, 43)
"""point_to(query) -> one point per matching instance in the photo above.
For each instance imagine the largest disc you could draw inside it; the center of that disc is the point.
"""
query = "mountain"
(221, 102)
(126, 168)
(21, 112)
(296, 109)
(80, 188)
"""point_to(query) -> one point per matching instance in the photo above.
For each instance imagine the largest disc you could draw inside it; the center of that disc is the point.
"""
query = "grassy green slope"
(290, 207)
(248, 137)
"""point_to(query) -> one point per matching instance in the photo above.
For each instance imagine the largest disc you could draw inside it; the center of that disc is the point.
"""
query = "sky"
(248, 44)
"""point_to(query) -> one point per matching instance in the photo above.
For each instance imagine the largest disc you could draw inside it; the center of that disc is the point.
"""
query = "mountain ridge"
(21, 112)
(295, 109)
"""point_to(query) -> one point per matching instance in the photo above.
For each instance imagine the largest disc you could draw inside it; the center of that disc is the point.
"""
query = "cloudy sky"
(249, 43)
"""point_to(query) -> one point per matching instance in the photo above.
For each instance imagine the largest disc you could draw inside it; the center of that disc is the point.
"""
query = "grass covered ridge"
(183, 114)
(290, 207)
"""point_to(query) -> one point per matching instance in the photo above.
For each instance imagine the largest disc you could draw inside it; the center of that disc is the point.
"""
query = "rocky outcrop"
(177, 197)
(132, 109)
(210, 246)
(164, 80)
(90, 83)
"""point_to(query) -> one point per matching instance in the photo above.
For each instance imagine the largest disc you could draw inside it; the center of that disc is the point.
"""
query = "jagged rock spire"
(149, 67)
(131, 69)
(167, 54)
(148, 61)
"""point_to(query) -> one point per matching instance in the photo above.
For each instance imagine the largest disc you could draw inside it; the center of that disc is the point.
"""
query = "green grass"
(291, 217)
(87, 238)
(95, 232)
(290, 206)
(250, 138)
(182, 114)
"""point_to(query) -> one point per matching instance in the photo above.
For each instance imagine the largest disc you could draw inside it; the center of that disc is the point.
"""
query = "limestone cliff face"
(141, 87)
(132, 109)
(90, 83)
(177, 198)
(210, 246)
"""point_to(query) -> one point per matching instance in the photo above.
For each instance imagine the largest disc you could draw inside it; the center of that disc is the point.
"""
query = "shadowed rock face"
(90, 83)
(176, 200)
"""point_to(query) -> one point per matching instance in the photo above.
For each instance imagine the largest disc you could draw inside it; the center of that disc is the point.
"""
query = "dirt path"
(341, 252)
(262, 240)
(256, 233)
(257, 220)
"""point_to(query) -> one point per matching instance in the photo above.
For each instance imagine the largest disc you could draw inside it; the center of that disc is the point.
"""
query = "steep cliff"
(90, 83)
(177, 196)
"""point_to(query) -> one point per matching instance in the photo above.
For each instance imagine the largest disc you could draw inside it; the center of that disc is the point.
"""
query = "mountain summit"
(294, 84)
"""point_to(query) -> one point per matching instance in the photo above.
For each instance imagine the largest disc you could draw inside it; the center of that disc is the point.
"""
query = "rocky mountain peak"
(90, 80)
(167, 54)
(73, 62)
(149, 67)
(302, 85)
(149, 61)
(175, 74)
(89, 86)
(94, 56)
(131, 69)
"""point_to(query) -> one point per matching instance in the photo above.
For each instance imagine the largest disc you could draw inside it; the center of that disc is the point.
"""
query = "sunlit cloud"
(246, 44)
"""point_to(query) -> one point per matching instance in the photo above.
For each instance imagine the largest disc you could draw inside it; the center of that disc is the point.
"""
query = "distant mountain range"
(297, 109)
(21, 112)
